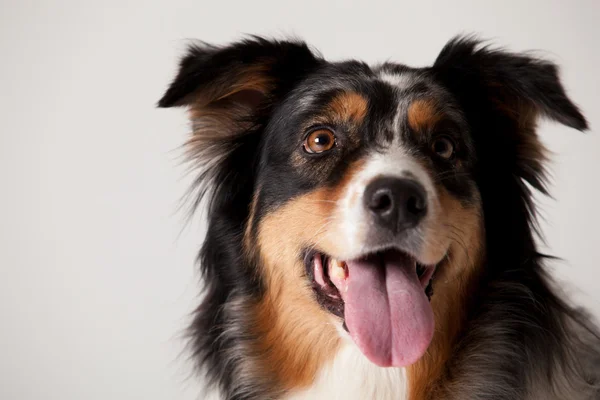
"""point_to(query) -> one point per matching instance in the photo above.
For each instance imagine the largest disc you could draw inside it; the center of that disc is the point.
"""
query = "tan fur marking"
(348, 106)
(215, 111)
(254, 77)
(463, 226)
(248, 247)
(422, 115)
(295, 335)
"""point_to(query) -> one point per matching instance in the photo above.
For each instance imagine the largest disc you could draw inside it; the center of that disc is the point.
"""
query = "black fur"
(520, 334)
(226, 273)
(519, 324)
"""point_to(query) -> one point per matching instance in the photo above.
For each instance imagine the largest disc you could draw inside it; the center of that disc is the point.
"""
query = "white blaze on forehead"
(399, 80)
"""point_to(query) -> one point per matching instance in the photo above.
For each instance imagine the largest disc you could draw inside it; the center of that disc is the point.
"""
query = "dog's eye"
(443, 146)
(319, 141)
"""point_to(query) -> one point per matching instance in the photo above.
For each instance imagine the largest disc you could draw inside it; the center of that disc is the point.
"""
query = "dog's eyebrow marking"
(423, 114)
(348, 106)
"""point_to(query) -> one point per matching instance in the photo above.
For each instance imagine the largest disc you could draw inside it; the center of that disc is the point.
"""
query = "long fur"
(522, 340)
(521, 326)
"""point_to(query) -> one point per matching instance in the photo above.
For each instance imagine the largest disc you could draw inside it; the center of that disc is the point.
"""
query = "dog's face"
(352, 191)
(364, 189)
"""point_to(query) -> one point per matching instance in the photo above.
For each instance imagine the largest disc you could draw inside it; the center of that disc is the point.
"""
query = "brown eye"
(319, 141)
(443, 146)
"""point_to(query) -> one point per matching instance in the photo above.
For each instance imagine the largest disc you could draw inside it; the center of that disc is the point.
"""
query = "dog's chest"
(352, 377)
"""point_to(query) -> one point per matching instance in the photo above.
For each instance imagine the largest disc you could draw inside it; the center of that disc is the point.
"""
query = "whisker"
(319, 231)
(323, 201)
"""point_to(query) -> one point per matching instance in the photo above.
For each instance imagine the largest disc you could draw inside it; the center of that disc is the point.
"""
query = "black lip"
(330, 298)
(429, 289)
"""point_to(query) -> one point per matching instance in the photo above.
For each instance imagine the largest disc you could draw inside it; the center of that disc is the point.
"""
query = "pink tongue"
(387, 312)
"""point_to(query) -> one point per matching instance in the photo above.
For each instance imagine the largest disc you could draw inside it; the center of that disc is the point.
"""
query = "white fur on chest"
(352, 377)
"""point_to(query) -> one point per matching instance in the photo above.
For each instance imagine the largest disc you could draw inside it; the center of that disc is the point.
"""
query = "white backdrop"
(96, 280)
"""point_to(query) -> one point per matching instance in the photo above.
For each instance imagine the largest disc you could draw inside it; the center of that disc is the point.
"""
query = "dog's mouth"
(383, 300)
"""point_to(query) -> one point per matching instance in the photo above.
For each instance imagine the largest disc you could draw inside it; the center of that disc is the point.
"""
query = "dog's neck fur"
(350, 376)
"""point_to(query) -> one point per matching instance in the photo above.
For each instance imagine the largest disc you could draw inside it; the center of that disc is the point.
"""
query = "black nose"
(396, 203)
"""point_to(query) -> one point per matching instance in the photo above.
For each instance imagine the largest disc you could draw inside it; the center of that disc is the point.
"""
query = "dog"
(371, 229)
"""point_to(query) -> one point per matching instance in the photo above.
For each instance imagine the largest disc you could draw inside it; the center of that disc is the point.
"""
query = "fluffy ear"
(505, 93)
(230, 92)
(226, 87)
(208, 73)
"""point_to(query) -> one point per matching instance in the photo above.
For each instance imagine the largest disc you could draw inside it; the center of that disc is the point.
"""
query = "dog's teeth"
(337, 270)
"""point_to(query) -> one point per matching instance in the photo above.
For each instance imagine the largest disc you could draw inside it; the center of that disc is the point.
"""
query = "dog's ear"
(224, 87)
(503, 94)
(510, 80)
(230, 92)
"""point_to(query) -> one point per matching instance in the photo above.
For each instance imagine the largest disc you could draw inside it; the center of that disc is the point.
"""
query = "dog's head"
(348, 193)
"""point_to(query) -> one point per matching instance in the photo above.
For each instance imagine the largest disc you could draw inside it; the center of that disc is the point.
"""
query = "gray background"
(96, 273)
